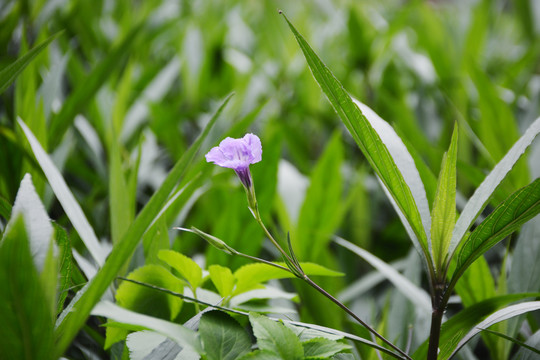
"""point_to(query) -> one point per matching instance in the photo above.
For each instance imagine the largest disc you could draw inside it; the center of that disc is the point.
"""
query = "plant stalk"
(438, 301)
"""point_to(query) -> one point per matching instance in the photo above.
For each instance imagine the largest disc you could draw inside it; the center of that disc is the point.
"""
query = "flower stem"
(439, 301)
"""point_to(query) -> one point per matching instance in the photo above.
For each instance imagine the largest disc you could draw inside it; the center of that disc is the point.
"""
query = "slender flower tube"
(238, 154)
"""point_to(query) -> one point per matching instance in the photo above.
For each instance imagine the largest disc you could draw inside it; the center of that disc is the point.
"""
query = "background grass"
(121, 93)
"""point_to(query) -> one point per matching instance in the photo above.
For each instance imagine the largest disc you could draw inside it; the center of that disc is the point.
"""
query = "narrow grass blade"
(481, 196)
(514, 340)
(369, 142)
(66, 198)
(444, 208)
(415, 294)
(68, 328)
(10, 72)
(519, 208)
(498, 316)
(86, 90)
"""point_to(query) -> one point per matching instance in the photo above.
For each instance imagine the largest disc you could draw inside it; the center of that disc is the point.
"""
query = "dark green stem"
(439, 301)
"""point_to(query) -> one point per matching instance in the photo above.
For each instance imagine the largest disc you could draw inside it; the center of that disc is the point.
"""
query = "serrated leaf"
(444, 208)
(520, 207)
(27, 323)
(322, 348)
(223, 338)
(275, 337)
(11, 71)
(222, 278)
(68, 326)
(372, 146)
(184, 265)
(249, 276)
(482, 194)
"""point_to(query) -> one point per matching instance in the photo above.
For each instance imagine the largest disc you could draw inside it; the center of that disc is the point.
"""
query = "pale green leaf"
(444, 208)
(188, 268)
(222, 278)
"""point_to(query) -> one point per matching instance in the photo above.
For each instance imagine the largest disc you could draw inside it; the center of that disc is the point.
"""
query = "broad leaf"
(275, 337)
(520, 207)
(10, 72)
(222, 278)
(444, 208)
(261, 355)
(250, 276)
(222, 337)
(322, 348)
(369, 141)
(73, 321)
(184, 265)
(482, 194)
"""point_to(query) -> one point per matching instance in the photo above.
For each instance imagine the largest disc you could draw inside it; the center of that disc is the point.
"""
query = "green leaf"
(223, 338)
(520, 207)
(322, 348)
(275, 337)
(149, 344)
(515, 341)
(11, 71)
(261, 355)
(86, 90)
(69, 326)
(498, 316)
(249, 276)
(145, 300)
(66, 263)
(375, 150)
(222, 278)
(482, 194)
(455, 328)
(27, 323)
(416, 295)
(444, 208)
(322, 210)
(184, 265)
(181, 334)
(65, 197)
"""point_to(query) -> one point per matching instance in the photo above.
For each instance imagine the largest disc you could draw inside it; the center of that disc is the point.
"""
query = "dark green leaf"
(275, 337)
(10, 72)
(519, 208)
(322, 348)
(514, 340)
(73, 321)
(223, 338)
(369, 142)
(27, 324)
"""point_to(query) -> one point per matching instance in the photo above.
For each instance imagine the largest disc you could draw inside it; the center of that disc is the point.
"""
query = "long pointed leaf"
(415, 294)
(481, 196)
(73, 321)
(369, 142)
(519, 208)
(444, 208)
(65, 197)
(10, 72)
(501, 315)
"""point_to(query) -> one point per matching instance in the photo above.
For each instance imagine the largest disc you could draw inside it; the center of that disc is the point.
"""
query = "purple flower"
(237, 154)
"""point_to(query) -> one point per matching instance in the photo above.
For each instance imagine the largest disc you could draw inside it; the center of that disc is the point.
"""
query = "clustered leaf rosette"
(238, 154)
